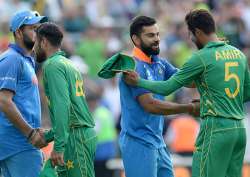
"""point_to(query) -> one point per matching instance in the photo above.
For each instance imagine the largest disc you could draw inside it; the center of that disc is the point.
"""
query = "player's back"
(70, 79)
(222, 81)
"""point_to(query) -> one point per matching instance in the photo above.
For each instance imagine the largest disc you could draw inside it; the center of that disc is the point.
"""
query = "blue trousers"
(141, 160)
(24, 164)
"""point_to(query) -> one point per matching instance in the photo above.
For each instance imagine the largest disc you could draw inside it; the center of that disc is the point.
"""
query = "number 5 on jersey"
(228, 76)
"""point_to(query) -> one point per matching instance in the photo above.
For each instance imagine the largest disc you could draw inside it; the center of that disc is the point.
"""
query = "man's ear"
(136, 40)
(44, 42)
(18, 33)
(198, 32)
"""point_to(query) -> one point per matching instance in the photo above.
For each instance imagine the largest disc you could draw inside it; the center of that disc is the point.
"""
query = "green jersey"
(221, 75)
(63, 86)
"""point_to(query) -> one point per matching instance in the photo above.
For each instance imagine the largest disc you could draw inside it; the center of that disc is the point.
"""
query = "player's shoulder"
(139, 64)
(58, 60)
(231, 47)
(11, 56)
(202, 54)
(161, 60)
(54, 63)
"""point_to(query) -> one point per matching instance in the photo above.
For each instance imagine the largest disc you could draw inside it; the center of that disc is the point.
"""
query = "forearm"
(168, 108)
(15, 117)
(60, 139)
(160, 87)
(61, 126)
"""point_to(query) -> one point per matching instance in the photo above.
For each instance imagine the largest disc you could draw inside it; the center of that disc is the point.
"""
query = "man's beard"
(197, 43)
(40, 55)
(148, 50)
(28, 43)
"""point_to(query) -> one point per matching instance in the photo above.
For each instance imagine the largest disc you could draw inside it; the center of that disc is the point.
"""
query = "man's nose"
(157, 38)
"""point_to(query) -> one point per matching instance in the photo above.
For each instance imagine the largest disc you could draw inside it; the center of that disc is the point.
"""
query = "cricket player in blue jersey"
(20, 112)
(144, 152)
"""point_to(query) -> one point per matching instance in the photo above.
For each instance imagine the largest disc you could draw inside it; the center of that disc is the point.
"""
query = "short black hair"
(200, 19)
(51, 32)
(138, 23)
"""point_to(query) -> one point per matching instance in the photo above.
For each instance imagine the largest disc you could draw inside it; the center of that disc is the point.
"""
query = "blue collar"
(155, 58)
(17, 48)
(20, 50)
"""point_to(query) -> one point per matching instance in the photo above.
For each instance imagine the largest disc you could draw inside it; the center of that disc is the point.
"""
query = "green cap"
(48, 170)
(116, 63)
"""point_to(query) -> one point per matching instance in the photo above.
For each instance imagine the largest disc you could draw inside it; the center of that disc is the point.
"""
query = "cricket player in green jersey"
(220, 72)
(72, 123)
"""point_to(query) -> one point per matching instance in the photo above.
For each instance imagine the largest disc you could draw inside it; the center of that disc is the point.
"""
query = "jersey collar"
(57, 53)
(18, 49)
(140, 55)
(214, 44)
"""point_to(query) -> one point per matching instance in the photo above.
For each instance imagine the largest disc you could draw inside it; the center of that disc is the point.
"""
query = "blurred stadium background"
(96, 29)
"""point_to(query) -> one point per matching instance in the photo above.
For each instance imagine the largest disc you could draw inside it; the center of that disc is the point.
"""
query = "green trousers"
(220, 148)
(79, 154)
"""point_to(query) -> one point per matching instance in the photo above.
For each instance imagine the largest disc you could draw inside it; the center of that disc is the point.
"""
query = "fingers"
(130, 77)
(57, 158)
(61, 161)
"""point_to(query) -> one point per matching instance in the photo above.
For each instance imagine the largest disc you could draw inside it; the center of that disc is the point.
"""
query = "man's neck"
(138, 53)
(51, 51)
(21, 45)
(212, 38)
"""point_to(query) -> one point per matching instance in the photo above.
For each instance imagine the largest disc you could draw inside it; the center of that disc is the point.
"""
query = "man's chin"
(40, 59)
(156, 52)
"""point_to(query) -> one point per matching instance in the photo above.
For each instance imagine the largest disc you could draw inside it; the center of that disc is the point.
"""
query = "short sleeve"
(10, 70)
(138, 91)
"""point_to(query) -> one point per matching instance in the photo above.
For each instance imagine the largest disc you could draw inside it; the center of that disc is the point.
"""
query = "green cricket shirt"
(63, 86)
(221, 75)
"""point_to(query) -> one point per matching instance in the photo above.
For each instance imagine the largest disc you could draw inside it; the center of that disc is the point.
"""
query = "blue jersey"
(17, 74)
(135, 121)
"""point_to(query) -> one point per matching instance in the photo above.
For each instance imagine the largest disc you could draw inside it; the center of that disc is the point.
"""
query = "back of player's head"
(200, 19)
(138, 23)
(51, 32)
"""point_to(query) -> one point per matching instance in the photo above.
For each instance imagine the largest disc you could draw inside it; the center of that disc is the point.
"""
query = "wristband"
(30, 134)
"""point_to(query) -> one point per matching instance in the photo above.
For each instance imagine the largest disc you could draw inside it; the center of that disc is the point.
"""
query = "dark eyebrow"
(152, 33)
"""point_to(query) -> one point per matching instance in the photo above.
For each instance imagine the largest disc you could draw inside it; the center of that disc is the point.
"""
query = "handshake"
(37, 138)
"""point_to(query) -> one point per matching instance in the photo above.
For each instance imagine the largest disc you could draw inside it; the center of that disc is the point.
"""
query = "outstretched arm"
(160, 87)
(191, 70)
